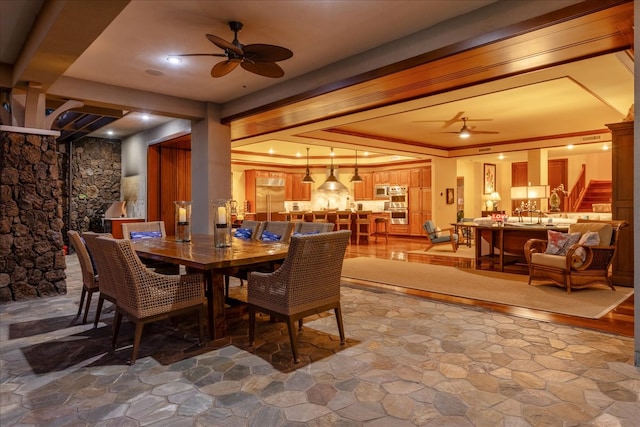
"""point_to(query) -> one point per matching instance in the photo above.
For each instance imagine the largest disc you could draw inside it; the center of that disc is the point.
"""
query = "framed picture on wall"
(489, 170)
(450, 196)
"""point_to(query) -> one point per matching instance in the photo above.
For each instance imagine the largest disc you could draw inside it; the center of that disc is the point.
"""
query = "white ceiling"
(132, 50)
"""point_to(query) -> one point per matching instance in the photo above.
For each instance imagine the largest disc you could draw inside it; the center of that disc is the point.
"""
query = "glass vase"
(222, 223)
(183, 220)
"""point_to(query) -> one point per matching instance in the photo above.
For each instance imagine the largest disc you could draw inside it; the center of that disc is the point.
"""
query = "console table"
(506, 243)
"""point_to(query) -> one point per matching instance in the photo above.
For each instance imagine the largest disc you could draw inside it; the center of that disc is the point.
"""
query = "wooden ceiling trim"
(571, 39)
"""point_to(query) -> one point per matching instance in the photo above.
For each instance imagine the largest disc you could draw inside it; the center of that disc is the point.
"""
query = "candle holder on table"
(183, 220)
(222, 223)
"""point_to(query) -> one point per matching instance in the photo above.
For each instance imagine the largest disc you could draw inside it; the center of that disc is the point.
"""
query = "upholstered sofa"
(576, 259)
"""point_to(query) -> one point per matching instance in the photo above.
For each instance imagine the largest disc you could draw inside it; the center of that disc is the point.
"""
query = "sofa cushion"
(559, 243)
(549, 260)
(605, 231)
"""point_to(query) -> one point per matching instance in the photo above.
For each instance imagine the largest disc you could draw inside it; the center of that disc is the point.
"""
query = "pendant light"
(356, 177)
(307, 177)
(332, 183)
(464, 131)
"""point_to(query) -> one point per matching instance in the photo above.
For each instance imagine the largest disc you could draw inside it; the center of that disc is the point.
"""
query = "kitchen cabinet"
(297, 190)
(399, 177)
(419, 209)
(268, 174)
(363, 190)
(381, 177)
(420, 177)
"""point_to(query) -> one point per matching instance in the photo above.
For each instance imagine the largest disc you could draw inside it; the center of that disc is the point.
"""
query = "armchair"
(582, 265)
(438, 237)
(307, 282)
(145, 296)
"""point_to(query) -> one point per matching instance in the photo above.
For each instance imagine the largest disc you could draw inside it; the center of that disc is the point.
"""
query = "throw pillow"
(243, 233)
(437, 232)
(268, 236)
(558, 243)
(590, 238)
(145, 234)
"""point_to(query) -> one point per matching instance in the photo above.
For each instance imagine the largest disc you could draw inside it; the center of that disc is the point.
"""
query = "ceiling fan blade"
(201, 54)
(455, 119)
(266, 69)
(223, 68)
(223, 44)
(266, 53)
(482, 131)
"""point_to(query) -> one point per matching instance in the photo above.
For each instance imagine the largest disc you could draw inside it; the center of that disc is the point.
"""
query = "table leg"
(215, 304)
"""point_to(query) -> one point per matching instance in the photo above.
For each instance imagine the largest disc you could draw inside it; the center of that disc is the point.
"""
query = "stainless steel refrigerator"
(270, 196)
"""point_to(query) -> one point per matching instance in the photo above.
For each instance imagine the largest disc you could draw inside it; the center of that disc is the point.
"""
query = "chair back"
(320, 216)
(89, 279)
(363, 217)
(313, 227)
(127, 273)
(311, 271)
(105, 273)
(429, 228)
(276, 231)
(143, 230)
(254, 226)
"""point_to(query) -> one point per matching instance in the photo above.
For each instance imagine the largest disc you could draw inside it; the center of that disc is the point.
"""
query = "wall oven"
(398, 205)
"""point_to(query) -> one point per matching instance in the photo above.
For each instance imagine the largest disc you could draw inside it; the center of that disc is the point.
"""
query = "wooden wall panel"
(622, 199)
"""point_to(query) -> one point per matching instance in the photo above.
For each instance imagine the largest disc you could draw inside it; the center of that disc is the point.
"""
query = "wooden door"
(169, 179)
(558, 174)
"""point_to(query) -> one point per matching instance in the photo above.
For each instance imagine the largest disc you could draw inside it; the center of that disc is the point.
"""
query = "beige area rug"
(445, 250)
(503, 288)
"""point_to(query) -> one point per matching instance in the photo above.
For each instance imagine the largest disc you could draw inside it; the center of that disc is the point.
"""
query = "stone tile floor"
(408, 361)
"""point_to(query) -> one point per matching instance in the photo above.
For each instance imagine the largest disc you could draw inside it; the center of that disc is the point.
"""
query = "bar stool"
(363, 225)
(320, 216)
(296, 216)
(380, 222)
(343, 220)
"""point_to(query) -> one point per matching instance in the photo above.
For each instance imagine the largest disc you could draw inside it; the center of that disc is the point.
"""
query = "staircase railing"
(577, 190)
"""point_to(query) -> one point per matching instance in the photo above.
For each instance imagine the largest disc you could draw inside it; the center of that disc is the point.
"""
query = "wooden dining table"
(200, 255)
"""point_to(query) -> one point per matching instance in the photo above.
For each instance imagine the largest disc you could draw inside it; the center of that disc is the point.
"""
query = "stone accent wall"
(96, 172)
(32, 262)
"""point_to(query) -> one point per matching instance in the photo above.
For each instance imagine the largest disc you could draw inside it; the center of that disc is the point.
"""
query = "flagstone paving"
(407, 361)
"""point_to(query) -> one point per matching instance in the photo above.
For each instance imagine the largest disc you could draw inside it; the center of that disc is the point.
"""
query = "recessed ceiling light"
(501, 156)
(298, 154)
(366, 154)
(570, 147)
(605, 147)
(109, 132)
(174, 59)
(271, 151)
(145, 117)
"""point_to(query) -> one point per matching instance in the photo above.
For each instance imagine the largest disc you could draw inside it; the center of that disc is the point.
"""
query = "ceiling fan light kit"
(256, 58)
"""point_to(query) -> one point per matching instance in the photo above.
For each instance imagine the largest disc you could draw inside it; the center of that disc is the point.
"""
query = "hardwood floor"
(618, 321)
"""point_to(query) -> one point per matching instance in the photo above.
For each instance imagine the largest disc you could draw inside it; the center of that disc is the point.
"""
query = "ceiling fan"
(256, 58)
(465, 131)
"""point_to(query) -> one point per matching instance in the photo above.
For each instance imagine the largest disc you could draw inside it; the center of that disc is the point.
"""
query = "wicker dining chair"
(146, 230)
(307, 282)
(313, 227)
(105, 273)
(144, 296)
(90, 279)
(280, 231)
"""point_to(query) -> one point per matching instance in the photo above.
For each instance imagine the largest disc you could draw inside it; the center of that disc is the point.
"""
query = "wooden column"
(622, 199)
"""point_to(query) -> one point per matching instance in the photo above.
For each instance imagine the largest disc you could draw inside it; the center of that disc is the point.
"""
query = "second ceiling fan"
(465, 131)
(256, 58)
